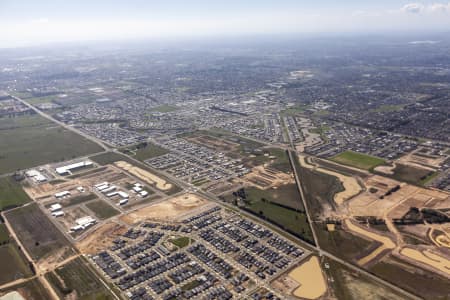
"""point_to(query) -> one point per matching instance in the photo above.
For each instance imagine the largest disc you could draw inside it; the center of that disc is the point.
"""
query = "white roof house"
(55, 207)
(58, 213)
(62, 194)
(123, 194)
(85, 221)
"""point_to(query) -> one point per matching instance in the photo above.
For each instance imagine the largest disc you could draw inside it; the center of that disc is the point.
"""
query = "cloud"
(413, 8)
(419, 8)
(439, 7)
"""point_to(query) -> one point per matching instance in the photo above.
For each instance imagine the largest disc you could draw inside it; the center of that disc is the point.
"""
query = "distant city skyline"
(36, 22)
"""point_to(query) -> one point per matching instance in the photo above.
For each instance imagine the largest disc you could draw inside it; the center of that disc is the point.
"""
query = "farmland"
(28, 141)
(319, 189)
(286, 195)
(76, 279)
(4, 234)
(358, 160)
(286, 218)
(348, 284)
(14, 264)
(36, 232)
(411, 174)
(412, 278)
(11, 193)
(30, 290)
(144, 151)
(102, 210)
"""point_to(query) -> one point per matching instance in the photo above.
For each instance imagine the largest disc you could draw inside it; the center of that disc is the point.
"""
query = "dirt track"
(387, 243)
(100, 238)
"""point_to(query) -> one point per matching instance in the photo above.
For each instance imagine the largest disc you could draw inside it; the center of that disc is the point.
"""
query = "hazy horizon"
(28, 23)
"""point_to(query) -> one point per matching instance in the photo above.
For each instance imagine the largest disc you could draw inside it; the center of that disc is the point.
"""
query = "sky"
(32, 22)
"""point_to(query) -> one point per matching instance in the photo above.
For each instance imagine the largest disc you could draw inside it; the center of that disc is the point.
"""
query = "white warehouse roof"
(65, 169)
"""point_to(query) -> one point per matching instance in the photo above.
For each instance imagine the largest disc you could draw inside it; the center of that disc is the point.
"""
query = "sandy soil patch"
(285, 284)
(443, 240)
(441, 237)
(421, 161)
(388, 170)
(144, 175)
(265, 178)
(387, 243)
(331, 227)
(428, 258)
(12, 296)
(351, 185)
(100, 238)
(310, 278)
(370, 203)
(172, 209)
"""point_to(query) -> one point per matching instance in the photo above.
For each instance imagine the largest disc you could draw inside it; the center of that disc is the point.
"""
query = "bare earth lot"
(171, 209)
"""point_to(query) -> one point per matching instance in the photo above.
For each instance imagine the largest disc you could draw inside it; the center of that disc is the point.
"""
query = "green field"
(190, 285)
(29, 141)
(102, 210)
(287, 219)
(4, 234)
(36, 232)
(341, 243)
(11, 193)
(411, 174)
(319, 189)
(145, 151)
(109, 158)
(77, 278)
(13, 264)
(294, 110)
(180, 242)
(263, 203)
(78, 199)
(40, 100)
(31, 290)
(358, 160)
(281, 163)
(164, 108)
(286, 195)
